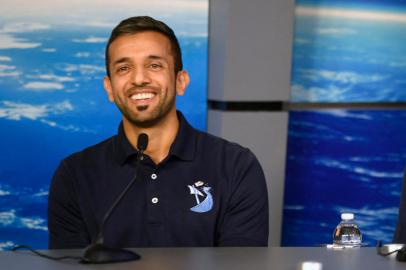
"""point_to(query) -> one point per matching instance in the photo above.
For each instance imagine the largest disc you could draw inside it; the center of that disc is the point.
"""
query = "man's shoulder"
(221, 146)
(231, 162)
(93, 152)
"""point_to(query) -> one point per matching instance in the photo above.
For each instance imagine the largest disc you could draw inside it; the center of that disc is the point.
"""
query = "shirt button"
(154, 200)
(154, 176)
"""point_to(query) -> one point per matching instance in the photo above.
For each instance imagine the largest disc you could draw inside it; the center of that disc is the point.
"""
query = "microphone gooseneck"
(97, 252)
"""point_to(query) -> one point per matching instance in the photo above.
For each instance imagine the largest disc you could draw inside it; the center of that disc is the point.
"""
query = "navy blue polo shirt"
(206, 192)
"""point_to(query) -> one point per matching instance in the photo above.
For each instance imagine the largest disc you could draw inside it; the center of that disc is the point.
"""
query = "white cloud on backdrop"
(12, 8)
(51, 50)
(8, 41)
(344, 77)
(43, 86)
(5, 58)
(82, 54)
(189, 16)
(398, 64)
(17, 111)
(302, 41)
(91, 39)
(52, 77)
(28, 194)
(41, 193)
(4, 192)
(6, 245)
(345, 114)
(9, 218)
(23, 27)
(8, 71)
(46, 82)
(351, 14)
(335, 31)
(83, 69)
(319, 94)
(337, 85)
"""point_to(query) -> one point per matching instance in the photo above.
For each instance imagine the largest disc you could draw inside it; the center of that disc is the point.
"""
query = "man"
(192, 189)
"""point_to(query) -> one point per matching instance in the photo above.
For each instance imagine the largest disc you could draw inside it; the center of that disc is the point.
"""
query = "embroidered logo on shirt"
(201, 191)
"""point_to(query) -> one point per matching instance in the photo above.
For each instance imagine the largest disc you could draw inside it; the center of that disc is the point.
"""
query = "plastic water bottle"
(347, 232)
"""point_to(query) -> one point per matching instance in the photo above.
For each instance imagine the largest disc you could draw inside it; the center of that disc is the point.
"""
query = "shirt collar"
(183, 147)
(123, 149)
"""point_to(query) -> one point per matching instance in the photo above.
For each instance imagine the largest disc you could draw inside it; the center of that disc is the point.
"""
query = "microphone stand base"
(99, 253)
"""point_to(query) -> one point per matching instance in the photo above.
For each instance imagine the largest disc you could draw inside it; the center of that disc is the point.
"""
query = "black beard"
(149, 122)
(146, 123)
(142, 108)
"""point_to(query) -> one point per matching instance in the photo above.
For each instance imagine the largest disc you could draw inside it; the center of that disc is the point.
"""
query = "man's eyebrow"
(156, 57)
(121, 60)
(128, 59)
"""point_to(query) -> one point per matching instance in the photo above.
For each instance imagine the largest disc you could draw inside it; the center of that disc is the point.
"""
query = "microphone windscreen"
(142, 142)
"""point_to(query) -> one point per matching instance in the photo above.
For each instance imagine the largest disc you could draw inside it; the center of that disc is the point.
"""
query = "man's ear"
(107, 88)
(182, 81)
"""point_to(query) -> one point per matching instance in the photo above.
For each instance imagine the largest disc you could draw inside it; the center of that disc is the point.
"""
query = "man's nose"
(141, 76)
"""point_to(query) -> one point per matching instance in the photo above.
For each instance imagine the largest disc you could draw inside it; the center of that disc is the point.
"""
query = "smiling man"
(193, 189)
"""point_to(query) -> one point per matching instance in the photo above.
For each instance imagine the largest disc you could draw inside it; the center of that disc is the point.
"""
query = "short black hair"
(139, 24)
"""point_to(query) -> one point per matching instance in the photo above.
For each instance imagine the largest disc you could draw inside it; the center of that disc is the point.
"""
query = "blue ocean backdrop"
(343, 160)
(349, 51)
(52, 103)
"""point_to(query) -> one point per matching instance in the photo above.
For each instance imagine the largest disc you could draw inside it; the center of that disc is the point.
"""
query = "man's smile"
(142, 96)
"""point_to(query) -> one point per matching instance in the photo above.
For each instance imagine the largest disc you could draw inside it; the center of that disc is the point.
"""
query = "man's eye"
(155, 66)
(122, 69)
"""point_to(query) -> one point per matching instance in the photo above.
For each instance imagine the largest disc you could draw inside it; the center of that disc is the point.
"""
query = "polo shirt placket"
(155, 211)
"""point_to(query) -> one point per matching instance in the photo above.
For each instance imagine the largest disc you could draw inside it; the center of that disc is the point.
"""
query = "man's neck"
(160, 136)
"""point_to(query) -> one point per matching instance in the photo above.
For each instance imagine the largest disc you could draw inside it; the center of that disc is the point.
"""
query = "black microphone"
(97, 252)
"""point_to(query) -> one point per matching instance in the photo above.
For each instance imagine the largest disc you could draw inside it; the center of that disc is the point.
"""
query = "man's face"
(142, 82)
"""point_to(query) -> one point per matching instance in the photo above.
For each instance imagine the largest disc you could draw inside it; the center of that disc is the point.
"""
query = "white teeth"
(142, 96)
